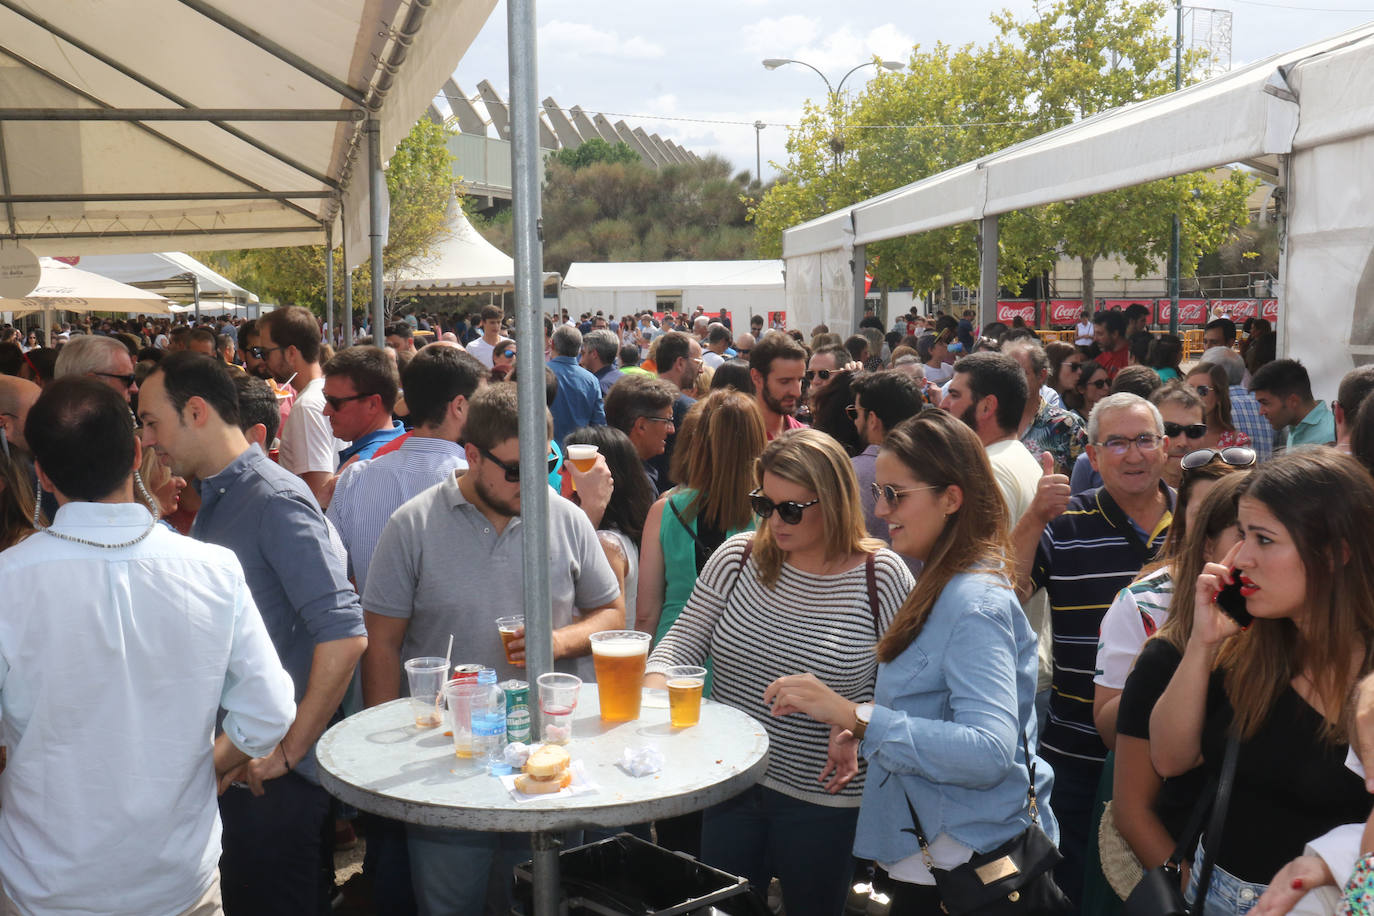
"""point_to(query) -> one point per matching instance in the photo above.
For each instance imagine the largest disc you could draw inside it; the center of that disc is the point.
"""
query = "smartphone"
(1232, 602)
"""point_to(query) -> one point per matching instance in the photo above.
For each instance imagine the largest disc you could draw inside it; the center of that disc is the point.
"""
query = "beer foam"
(685, 683)
(620, 648)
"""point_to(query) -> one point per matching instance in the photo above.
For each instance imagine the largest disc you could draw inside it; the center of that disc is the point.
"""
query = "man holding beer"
(421, 587)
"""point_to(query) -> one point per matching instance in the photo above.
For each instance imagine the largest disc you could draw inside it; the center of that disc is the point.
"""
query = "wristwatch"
(862, 714)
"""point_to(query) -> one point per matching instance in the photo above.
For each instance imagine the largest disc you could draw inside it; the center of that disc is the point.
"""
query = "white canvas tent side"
(170, 274)
(1306, 116)
(742, 287)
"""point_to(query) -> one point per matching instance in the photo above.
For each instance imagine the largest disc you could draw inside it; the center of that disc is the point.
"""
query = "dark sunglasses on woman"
(1237, 456)
(790, 511)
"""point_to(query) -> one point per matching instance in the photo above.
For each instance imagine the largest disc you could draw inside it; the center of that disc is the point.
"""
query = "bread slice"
(532, 786)
(546, 761)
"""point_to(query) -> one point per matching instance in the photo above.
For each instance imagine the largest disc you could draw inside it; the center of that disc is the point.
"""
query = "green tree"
(419, 180)
(594, 150)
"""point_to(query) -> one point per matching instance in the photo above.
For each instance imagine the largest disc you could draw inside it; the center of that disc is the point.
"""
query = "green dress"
(680, 563)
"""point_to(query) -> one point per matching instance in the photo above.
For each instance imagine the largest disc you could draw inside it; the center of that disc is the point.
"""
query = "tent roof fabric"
(77, 181)
(62, 287)
(665, 275)
(465, 262)
(1248, 114)
(164, 273)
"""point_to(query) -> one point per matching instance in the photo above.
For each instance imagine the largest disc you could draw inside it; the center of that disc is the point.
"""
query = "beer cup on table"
(557, 702)
(510, 628)
(426, 678)
(685, 683)
(619, 657)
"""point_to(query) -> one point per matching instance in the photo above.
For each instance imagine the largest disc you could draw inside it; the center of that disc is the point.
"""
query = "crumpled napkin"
(641, 761)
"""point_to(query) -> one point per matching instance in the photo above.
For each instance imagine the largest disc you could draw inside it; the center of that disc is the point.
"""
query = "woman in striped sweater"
(809, 592)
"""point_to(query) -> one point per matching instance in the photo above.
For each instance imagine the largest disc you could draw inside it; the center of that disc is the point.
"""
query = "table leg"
(544, 873)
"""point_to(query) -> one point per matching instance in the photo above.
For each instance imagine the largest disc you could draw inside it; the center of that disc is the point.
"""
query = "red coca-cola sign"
(1123, 304)
(1235, 309)
(1269, 310)
(1064, 311)
(72, 259)
(1190, 311)
(1010, 309)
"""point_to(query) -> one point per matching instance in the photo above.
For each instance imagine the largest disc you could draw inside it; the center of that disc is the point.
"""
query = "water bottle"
(489, 724)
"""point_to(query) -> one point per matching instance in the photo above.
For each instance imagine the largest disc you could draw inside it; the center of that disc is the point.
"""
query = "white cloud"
(582, 39)
(778, 36)
(841, 49)
(665, 104)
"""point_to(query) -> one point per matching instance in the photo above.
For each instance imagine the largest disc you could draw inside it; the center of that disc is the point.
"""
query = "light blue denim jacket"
(946, 728)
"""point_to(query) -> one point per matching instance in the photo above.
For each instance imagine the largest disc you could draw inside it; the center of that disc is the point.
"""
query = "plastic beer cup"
(509, 628)
(684, 694)
(583, 457)
(426, 676)
(619, 656)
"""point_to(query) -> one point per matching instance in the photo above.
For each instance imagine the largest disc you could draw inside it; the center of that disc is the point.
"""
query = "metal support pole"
(375, 227)
(195, 295)
(348, 296)
(529, 323)
(859, 265)
(987, 271)
(1174, 227)
(758, 150)
(544, 863)
(1283, 197)
(331, 332)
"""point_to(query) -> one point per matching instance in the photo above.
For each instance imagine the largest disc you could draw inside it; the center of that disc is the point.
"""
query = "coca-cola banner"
(1009, 309)
(1122, 304)
(1190, 311)
(1065, 311)
(1235, 309)
(1269, 310)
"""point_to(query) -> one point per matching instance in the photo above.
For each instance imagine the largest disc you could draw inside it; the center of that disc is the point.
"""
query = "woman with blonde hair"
(16, 497)
(809, 592)
(947, 735)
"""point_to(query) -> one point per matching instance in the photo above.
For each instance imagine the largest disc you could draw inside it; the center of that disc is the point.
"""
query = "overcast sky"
(699, 61)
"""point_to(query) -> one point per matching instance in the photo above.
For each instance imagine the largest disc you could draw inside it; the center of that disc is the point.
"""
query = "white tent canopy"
(1305, 115)
(64, 288)
(103, 106)
(748, 287)
(168, 273)
(464, 262)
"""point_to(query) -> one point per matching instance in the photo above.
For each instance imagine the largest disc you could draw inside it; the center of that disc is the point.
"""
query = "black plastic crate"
(627, 876)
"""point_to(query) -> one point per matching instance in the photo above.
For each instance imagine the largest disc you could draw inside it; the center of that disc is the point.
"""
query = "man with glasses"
(417, 595)
(642, 408)
(103, 358)
(360, 385)
(825, 364)
(1082, 551)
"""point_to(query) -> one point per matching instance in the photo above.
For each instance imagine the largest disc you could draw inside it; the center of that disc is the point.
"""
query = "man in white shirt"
(109, 800)
(290, 347)
(717, 346)
(988, 392)
(483, 346)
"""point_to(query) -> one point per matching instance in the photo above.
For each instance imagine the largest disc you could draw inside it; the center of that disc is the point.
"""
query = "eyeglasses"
(666, 420)
(336, 404)
(1236, 456)
(1120, 445)
(852, 411)
(1099, 383)
(790, 511)
(261, 352)
(513, 470)
(892, 495)
(823, 373)
(1074, 366)
(1192, 430)
(126, 380)
(1204, 390)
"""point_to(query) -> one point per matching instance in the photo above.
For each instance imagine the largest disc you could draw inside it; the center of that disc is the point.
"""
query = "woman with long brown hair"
(809, 591)
(1210, 382)
(954, 708)
(1305, 565)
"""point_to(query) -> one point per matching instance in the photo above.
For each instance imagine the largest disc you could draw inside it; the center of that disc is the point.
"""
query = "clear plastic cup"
(509, 628)
(459, 698)
(426, 678)
(557, 703)
(685, 683)
(619, 656)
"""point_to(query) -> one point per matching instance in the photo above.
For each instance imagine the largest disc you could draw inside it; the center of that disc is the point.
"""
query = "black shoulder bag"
(1015, 879)
(1160, 891)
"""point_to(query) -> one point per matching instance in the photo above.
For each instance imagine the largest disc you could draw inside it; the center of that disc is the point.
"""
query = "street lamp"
(758, 150)
(836, 142)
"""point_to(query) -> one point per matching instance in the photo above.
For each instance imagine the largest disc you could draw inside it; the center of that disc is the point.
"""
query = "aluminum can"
(517, 710)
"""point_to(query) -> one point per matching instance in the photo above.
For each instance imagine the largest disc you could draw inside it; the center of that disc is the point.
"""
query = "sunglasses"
(823, 373)
(1204, 390)
(1099, 383)
(261, 352)
(892, 495)
(508, 354)
(512, 471)
(336, 404)
(1236, 456)
(790, 512)
(1192, 430)
(126, 380)
(852, 411)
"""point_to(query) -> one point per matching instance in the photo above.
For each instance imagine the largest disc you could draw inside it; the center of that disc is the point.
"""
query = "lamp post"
(836, 141)
(758, 151)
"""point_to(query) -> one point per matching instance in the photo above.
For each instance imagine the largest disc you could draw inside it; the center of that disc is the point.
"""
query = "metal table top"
(379, 761)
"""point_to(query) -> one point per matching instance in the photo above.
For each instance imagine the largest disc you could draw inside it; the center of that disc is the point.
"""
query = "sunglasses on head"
(1192, 430)
(790, 511)
(823, 373)
(1236, 456)
(512, 471)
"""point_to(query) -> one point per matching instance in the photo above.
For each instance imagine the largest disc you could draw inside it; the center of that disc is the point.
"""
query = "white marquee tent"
(742, 287)
(173, 274)
(64, 288)
(465, 262)
(1306, 116)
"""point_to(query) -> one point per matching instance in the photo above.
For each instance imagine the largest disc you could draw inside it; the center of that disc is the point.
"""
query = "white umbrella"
(64, 288)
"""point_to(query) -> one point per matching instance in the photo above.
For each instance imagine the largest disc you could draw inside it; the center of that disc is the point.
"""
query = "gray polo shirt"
(441, 564)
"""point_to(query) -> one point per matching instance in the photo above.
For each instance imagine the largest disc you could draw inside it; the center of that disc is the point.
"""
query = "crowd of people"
(966, 581)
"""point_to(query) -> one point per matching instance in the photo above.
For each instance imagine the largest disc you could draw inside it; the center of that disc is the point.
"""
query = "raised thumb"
(1046, 463)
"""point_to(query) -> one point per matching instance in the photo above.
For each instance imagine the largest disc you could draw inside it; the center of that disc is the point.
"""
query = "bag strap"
(1188, 838)
(871, 575)
(1218, 821)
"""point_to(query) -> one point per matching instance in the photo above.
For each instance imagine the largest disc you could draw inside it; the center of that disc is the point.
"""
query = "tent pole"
(195, 295)
(331, 334)
(534, 444)
(987, 272)
(347, 292)
(376, 231)
(859, 267)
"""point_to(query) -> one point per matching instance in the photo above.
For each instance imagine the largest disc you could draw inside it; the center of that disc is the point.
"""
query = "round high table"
(379, 761)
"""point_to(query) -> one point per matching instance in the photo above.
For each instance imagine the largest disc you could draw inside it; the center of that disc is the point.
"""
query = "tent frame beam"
(129, 234)
(8, 198)
(262, 42)
(5, 183)
(181, 114)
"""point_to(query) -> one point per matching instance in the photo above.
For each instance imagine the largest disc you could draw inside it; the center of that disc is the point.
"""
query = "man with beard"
(412, 607)
(776, 365)
(257, 366)
(988, 392)
(679, 362)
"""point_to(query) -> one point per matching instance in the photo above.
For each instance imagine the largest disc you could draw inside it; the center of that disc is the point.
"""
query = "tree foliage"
(419, 180)
(593, 151)
(1069, 60)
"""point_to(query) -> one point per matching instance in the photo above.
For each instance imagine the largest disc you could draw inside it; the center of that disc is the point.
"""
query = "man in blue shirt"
(578, 402)
(269, 519)
(1284, 393)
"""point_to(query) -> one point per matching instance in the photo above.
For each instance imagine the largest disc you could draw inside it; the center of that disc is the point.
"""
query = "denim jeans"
(1075, 789)
(1227, 895)
(761, 833)
(450, 869)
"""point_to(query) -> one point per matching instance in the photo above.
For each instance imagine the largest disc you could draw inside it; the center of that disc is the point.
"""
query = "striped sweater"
(754, 635)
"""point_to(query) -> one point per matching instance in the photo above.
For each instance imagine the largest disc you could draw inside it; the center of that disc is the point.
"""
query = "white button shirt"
(113, 665)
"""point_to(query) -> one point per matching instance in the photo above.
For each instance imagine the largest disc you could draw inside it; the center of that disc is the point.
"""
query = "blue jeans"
(1227, 895)
(762, 833)
(450, 869)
